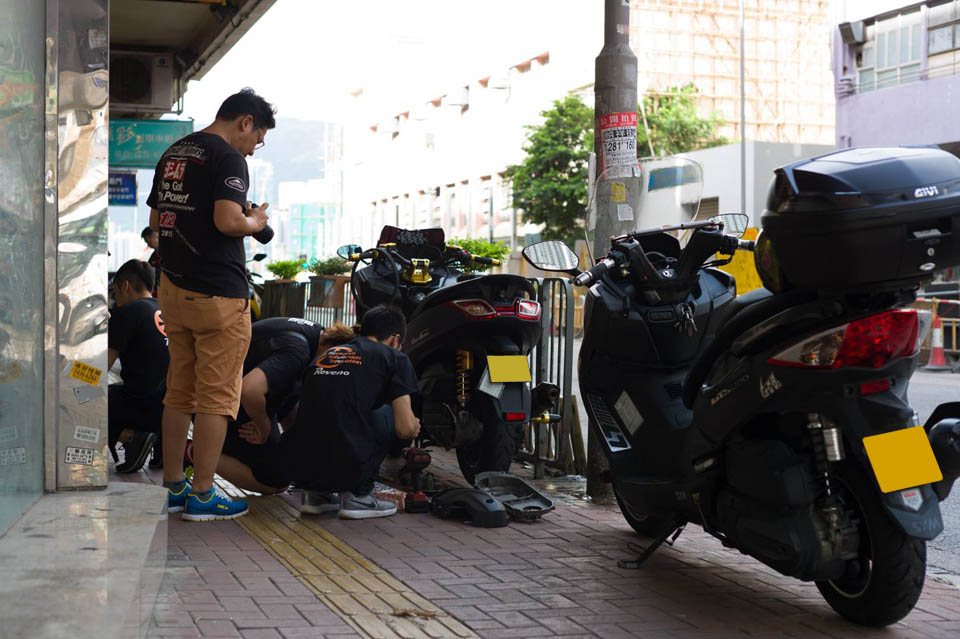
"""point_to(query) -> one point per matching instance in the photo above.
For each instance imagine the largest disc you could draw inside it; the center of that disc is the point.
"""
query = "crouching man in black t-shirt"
(280, 350)
(135, 335)
(355, 399)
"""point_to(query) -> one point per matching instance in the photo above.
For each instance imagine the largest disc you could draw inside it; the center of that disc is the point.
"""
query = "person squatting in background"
(135, 336)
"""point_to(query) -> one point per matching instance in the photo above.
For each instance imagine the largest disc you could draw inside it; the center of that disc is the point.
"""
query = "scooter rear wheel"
(494, 451)
(884, 583)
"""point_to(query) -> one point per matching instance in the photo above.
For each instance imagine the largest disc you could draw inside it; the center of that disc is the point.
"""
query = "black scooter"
(468, 336)
(777, 420)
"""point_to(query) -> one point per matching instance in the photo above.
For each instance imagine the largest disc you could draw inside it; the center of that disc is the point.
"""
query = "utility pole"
(743, 125)
(618, 189)
(490, 224)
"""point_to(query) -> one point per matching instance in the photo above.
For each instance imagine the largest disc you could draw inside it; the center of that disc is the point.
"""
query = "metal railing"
(327, 315)
(559, 445)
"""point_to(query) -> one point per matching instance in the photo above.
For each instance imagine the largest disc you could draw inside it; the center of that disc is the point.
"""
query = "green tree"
(550, 185)
(675, 127)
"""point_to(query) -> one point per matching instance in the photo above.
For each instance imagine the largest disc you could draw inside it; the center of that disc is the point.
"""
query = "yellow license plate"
(902, 459)
(508, 368)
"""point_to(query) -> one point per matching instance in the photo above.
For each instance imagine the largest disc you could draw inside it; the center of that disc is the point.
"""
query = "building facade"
(896, 74)
(441, 162)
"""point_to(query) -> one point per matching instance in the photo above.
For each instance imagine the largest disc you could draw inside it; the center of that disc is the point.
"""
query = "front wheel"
(494, 451)
(883, 584)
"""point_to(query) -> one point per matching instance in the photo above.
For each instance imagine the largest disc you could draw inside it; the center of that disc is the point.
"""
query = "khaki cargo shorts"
(208, 339)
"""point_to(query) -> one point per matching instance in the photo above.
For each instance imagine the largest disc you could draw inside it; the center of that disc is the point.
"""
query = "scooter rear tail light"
(528, 309)
(515, 417)
(477, 309)
(869, 342)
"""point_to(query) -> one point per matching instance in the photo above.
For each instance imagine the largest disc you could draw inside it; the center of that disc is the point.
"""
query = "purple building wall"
(923, 112)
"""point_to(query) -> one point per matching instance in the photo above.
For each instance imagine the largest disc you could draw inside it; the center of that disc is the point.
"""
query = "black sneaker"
(156, 459)
(136, 451)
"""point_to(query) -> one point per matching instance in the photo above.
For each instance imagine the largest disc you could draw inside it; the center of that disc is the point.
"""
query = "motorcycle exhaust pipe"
(945, 440)
(544, 397)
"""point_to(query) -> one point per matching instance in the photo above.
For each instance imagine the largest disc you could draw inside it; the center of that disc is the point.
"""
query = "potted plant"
(324, 277)
(282, 296)
(285, 270)
(481, 248)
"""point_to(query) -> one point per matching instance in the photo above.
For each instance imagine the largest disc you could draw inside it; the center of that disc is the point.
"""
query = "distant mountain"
(297, 149)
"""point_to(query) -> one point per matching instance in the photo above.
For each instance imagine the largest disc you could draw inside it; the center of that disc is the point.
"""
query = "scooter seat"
(749, 309)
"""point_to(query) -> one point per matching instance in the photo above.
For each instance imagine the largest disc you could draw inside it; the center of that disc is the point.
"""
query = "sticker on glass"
(85, 373)
(86, 434)
(13, 456)
(81, 456)
(8, 434)
(628, 412)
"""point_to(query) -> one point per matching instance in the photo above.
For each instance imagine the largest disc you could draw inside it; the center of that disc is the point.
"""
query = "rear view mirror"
(734, 223)
(259, 257)
(347, 250)
(552, 255)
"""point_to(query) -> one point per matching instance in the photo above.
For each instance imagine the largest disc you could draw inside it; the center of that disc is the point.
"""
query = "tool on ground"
(415, 461)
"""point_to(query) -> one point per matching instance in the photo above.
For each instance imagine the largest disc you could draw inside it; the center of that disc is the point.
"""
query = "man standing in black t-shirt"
(280, 350)
(354, 400)
(198, 204)
(136, 336)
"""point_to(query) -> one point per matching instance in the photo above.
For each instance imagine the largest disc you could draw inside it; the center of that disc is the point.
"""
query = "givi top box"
(880, 217)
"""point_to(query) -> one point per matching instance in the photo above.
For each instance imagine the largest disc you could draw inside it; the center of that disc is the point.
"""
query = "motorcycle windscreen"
(902, 459)
(670, 190)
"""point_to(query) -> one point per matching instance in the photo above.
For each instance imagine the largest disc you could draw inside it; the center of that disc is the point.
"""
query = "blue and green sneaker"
(177, 501)
(213, 506)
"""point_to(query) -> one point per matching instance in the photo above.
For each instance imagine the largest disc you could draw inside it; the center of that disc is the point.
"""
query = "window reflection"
(21, 263)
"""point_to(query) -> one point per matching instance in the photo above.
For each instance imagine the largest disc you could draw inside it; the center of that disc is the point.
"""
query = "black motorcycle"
(468, 335)
(778, 420)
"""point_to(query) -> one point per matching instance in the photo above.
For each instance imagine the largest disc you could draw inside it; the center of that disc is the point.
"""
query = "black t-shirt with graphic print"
(333, 435)
(192, 174)
(135, 331)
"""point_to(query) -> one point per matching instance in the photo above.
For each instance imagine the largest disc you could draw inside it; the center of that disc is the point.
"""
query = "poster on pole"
(618, 145)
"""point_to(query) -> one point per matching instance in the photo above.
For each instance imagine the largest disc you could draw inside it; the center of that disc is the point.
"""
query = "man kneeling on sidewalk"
(280, 350)
(355, 399)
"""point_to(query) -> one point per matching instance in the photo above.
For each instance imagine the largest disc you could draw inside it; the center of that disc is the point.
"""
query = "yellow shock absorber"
(464, 364)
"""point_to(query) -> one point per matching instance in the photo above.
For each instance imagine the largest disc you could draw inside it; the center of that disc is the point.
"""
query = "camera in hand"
(264, 235)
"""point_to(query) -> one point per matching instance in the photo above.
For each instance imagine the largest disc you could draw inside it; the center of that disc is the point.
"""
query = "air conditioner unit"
(141, 81)
(851, 32)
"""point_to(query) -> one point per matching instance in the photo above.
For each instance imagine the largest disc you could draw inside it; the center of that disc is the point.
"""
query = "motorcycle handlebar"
(485, 260)
(746, 245)
(590, 276)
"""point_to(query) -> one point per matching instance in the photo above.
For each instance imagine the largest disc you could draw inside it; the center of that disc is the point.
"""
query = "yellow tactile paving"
(355, 588)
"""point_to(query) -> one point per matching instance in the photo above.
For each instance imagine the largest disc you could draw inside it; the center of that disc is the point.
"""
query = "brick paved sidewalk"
(558, 577)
